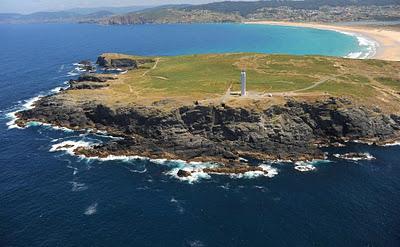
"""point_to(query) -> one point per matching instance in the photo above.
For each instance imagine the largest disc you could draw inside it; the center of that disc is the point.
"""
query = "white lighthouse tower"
(243, 83)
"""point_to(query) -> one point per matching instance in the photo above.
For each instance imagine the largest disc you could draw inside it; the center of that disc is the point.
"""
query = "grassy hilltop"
(177, 80)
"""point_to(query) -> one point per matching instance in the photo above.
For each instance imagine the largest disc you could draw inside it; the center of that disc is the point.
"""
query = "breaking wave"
(308, 166)
(267, 171)
(392, 144)
(48, 126)
(69, 146)
(358, 157)
(29, 104)
(196, 169)
(368, 47)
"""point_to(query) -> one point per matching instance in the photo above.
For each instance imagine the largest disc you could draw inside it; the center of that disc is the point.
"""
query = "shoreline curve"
(387, 42)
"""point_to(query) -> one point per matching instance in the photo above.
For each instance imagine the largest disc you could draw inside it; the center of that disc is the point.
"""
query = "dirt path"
(385, 90)
(227, 94)
(296, 92)
(152, 68)
(316, 84)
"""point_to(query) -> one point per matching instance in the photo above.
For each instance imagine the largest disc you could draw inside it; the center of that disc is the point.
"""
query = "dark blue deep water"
(54, 199)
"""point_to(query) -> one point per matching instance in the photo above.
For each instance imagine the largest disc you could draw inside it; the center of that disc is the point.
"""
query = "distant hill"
(54, 17)
(172, 15)
(283, 10)
(244, 7)
(79, 15)
(114, 10)
(220, 12)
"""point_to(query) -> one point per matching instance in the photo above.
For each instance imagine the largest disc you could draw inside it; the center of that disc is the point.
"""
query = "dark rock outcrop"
(121, 63)
(87, 85)
(90, 81)
(93, 78)
(354, 156)
(86, 65)
(183, 173)
(214, 133)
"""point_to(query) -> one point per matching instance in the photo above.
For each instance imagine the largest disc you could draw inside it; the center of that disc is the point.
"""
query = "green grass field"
(207, 77)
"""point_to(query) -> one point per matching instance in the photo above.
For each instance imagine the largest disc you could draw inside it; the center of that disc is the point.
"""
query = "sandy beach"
(388, 40)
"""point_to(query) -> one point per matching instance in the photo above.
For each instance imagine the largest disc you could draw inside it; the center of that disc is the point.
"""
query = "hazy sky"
(29, 6)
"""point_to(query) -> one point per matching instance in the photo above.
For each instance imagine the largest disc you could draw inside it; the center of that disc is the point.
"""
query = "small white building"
(243, 83)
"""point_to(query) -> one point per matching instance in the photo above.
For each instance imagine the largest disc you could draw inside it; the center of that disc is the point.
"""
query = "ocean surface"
(50, 198)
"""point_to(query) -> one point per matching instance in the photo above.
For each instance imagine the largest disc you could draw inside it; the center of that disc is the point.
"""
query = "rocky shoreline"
(214, 133)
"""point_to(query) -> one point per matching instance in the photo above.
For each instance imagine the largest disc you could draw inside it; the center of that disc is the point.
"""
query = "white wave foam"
(72, 73)
(75, 170)
(69, 146)
(195, 168)
(61, 68)
(392, 144)
(92, 209)
(29, 104)
(13, 118)
(363, 142)
(243, 159)
(77, 187)
(361, 156)
(80, 69)
(267, 171)
(225, 186)
(354, 55)
(259, 187)
(368, 46)
(58, 89)
(137, 171)
(196, 243)
(307, 166)
(178, 205)
(105, 135)
(49, 126)
(117, 157)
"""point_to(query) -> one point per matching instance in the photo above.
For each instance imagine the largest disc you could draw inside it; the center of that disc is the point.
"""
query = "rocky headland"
(294, 130)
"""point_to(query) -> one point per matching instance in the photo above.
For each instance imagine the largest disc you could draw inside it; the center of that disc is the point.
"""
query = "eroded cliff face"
(222, 134)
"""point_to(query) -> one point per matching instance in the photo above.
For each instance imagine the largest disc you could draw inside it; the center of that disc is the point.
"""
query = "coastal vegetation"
(209, 78)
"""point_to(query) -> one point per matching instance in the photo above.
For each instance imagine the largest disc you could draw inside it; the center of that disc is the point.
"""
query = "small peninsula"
(190, 107)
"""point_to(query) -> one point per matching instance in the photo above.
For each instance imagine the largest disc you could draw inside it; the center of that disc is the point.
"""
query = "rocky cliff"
(292, 131)
(285, 129)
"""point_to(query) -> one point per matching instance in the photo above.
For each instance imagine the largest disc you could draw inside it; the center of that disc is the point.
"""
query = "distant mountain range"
(114, 10)
(228, 11)
(71, 15)
(279, 10)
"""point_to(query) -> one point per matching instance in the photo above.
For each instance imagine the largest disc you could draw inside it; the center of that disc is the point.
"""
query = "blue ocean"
(55, 199)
